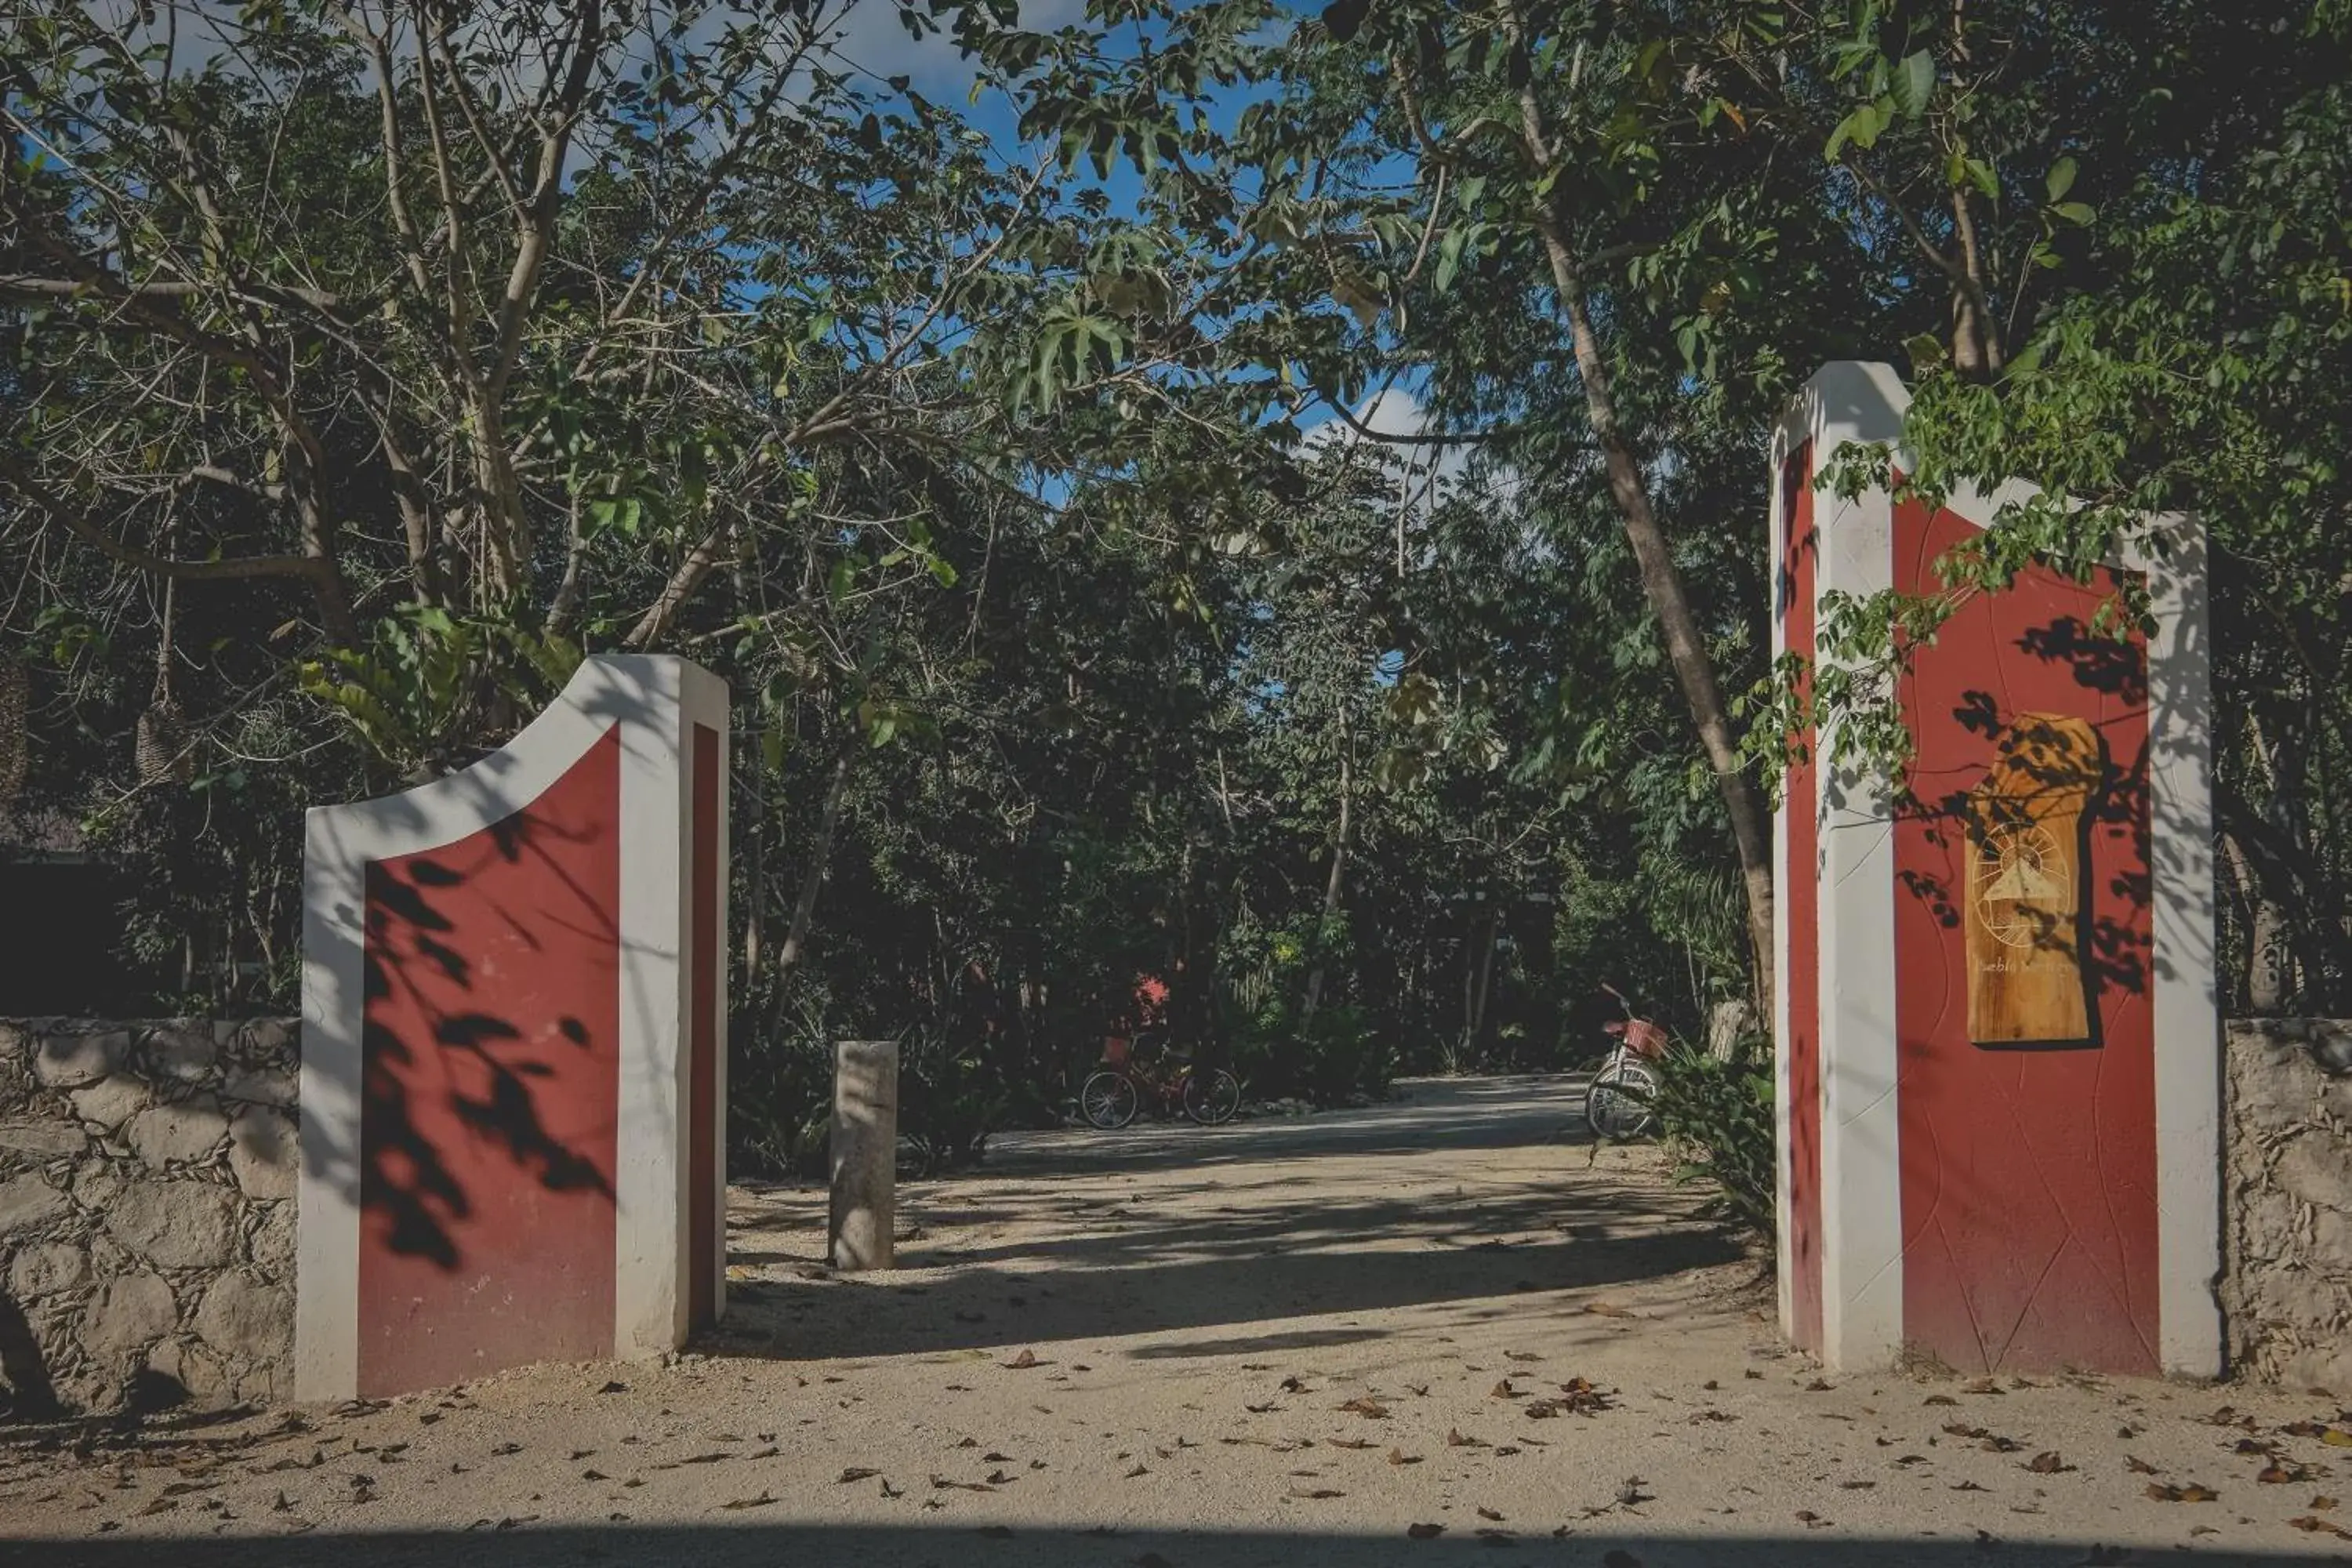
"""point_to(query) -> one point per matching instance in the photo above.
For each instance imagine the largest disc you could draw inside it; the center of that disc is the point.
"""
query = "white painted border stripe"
(1862, 1177)
(2188, 1025)
(1786, 440)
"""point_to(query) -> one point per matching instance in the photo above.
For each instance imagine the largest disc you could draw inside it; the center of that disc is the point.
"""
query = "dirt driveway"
(1438, 1331)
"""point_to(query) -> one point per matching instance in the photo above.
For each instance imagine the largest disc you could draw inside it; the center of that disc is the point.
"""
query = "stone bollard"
(865, 1154)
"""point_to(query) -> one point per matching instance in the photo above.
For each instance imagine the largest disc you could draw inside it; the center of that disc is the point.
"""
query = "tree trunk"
(1481, 1009)
(820, 853)
(1751, 831)
(755, 878)
(1331, 884)
(1661, 583)
(2268, 961)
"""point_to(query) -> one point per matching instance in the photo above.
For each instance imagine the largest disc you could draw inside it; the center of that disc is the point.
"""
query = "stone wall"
(147, 1177)
(2288, 1286)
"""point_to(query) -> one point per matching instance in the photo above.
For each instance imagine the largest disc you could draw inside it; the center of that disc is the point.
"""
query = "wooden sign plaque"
(2025, 883)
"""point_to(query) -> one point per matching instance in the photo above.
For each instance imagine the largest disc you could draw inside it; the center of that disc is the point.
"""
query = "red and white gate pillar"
(513, 1081)
(1997, 1043)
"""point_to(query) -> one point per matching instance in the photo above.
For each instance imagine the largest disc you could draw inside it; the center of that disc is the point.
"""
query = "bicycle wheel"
(1212, 1097)
(1108, 1100)
(1617, 1101)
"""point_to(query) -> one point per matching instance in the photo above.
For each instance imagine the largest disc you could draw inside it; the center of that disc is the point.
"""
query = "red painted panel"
(1801, 885)
(2028, 1173)
(702, 1098)
(490, 1073)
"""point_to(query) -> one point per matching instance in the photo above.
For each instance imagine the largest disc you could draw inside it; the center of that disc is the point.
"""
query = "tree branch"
(59, 510)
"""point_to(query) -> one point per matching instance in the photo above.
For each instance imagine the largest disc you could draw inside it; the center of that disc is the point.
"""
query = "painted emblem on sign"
(2023, 876)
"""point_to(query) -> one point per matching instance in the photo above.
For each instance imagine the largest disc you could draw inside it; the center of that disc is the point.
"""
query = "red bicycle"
(1618, 1101)
(1112, 1095)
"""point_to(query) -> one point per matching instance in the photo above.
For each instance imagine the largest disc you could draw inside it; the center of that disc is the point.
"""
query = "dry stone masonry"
(147, 1178)
(2288, 1289)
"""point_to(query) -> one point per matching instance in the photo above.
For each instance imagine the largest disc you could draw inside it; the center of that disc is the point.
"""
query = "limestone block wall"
(2288, 1289)
(147, 1189)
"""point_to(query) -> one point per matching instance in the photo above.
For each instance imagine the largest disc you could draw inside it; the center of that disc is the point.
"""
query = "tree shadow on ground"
(1260, 1232)
(1001, 1546)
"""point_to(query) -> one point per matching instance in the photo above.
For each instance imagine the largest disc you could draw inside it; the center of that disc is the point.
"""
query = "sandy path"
(1251, 1345)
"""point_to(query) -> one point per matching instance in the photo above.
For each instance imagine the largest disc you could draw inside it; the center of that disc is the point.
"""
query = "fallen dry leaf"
(2047, 1464)
(1368, 1407)
(856, 1473)
(1981, 1385)
(2187, 1492)
(1939, 1399)
(1521, 1355)
(1608, 1310)
(1490, 1514)
(2275, 1474)
(1139, 1470)
(762, 1501)
(2321, 1504)
(1399, 1457)
(1454, 1440)
(1023, 1361)
(1579, 1396)
(1316, 1492)
(1345, 1442)
(2137, 1465)
(2314, 1525)
(1425, 1531)
(1504, 1390)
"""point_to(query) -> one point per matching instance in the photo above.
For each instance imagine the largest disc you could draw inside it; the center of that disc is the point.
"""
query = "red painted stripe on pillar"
(1801, 888)
(490, 1078)
(705, 1243)
(2027, 1174)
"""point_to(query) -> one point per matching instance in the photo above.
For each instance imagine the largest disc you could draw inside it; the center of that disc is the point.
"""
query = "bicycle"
(1618, 1101)
(1112, 1095)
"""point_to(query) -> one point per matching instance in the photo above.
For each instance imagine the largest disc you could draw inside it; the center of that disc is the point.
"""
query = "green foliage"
(1715, 1114)
(429, 676)
(1063, 658)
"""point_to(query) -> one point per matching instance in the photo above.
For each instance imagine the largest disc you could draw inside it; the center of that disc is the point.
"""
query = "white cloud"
(1427, 470)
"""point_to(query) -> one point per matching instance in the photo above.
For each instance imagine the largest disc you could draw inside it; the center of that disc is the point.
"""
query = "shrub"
(1716, 1116)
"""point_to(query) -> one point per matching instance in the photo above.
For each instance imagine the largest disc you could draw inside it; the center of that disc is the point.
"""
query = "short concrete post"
(865, 1154)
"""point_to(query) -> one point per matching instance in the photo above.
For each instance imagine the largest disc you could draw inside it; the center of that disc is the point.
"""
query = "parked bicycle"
(1110, 1098)
(1619, 1102)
